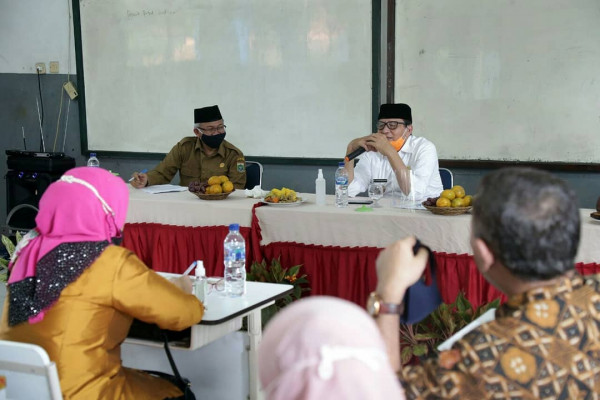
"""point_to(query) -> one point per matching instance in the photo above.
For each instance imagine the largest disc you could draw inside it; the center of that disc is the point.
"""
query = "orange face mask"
(398, 143)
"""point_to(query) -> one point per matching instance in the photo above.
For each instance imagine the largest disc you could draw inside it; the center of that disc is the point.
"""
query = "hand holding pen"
(139, 179)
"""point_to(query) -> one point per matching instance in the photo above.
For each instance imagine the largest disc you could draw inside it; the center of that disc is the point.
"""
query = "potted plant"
(275, 273)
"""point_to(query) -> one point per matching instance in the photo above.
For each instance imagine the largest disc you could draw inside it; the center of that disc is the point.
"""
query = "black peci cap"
(207, 114)
(400, 110)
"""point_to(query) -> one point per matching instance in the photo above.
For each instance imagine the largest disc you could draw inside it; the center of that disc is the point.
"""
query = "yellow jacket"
(83, 331)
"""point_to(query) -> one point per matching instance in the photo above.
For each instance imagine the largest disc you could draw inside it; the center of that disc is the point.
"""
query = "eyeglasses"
(390, 124)
(217, 284)
(212, 130)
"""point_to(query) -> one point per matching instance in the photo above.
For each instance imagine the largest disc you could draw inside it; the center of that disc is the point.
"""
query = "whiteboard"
(291, 78)
(502, 80)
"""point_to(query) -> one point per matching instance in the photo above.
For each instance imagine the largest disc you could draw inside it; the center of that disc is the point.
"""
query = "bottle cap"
(341, 164)
(200, 271)
(234, 227)
(92, 154)
(320, 174)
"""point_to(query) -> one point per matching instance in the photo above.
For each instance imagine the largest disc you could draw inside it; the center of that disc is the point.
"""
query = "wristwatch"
(376, 306)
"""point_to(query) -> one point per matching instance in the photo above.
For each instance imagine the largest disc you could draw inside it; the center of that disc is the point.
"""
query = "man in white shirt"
(391, 153)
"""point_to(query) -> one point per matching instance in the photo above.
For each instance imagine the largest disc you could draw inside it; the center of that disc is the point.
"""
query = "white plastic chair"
(29, 372)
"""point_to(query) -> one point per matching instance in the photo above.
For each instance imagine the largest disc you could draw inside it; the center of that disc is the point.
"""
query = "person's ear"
(197, 132)
(484, 258)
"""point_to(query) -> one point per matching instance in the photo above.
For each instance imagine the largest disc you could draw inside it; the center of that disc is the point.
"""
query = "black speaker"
(23, 193)
(28, 177)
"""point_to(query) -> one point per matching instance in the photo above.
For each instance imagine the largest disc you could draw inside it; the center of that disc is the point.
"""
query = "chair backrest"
(447, 178)
(29, 372)
(254, 172)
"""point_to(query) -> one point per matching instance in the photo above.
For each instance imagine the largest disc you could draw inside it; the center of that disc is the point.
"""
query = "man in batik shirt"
(545, 340)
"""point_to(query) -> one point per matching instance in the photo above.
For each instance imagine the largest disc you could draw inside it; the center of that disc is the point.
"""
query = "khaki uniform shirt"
(193, 164)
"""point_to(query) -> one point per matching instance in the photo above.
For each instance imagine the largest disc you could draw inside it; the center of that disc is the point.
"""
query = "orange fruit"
(443, 202)
(468, 200)
(223, 178)
(215, 189)
(214, 180)
(227, 186)
(448, 194)
(458, 202)
(459, 191)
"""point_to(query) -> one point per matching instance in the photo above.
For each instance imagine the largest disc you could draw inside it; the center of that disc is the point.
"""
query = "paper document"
(409, 206)
(487, 316)
(164, 189)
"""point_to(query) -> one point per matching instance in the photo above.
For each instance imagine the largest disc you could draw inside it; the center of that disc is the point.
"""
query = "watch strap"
(390, 308)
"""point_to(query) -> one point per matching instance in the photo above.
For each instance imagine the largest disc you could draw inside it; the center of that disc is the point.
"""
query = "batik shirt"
(544, 344)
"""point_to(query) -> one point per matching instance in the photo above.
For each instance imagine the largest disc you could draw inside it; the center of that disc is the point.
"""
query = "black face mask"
(213, 141)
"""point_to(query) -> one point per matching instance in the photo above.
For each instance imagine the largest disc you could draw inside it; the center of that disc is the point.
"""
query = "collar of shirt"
(563, 285)
(409, 146)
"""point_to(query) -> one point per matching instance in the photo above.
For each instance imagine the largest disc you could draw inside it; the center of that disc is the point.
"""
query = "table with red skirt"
(337, 247)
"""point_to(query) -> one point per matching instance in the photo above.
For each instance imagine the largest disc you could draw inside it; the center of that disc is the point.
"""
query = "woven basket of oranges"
(450, 202)
(216, 188)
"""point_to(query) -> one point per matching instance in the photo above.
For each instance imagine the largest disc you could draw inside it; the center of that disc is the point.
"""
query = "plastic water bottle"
(235, 262)
(320, 189)
(341, 186)
(93, 161)
(200, 282)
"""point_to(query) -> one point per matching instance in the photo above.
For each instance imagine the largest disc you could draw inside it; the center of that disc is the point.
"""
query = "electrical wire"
(41, 99)
(62, 89)
(66, 125)
(58, 118)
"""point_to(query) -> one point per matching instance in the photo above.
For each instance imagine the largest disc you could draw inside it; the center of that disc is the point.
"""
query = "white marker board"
(292, 78)
(502, 80)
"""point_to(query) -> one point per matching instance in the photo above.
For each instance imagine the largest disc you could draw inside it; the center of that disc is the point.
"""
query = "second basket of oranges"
(450, 202)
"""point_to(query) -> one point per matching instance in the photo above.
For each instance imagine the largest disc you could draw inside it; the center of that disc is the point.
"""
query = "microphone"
(355, 154)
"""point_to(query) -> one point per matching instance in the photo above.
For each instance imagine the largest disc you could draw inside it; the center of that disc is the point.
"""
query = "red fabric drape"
(169, 248)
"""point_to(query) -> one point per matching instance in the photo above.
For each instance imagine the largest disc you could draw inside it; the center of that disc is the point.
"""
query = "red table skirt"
(345, 272)
(169, 248)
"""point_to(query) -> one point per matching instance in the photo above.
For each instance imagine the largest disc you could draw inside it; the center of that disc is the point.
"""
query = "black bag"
(182, 383)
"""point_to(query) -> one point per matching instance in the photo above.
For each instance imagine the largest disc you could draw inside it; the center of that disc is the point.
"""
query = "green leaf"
(427, 336)
(420, 349)
(406, 354)
(8, 244)
(294, 270)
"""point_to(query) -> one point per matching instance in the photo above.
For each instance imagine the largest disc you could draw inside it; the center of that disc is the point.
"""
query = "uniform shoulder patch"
(241, 164)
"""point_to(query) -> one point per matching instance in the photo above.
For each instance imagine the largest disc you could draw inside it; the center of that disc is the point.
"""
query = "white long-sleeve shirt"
(418, 153)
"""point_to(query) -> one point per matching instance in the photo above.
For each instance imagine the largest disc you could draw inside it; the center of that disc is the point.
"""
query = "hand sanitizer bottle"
(200, 283)
(320, 189)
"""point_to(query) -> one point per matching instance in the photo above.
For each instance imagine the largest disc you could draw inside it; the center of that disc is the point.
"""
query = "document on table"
(154, 189)
(487, 316)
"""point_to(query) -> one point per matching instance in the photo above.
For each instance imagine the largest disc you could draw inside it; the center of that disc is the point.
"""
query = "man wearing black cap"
(391, 153)
(200, 157)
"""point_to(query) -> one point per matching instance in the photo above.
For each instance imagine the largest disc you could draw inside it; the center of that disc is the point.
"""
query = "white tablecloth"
(186, 209)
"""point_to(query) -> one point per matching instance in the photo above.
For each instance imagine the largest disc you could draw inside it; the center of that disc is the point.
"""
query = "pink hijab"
(86, 205)
(324, 347)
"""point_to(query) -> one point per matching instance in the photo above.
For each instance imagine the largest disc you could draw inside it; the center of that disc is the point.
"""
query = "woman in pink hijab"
(74, 293)
(325, 348)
